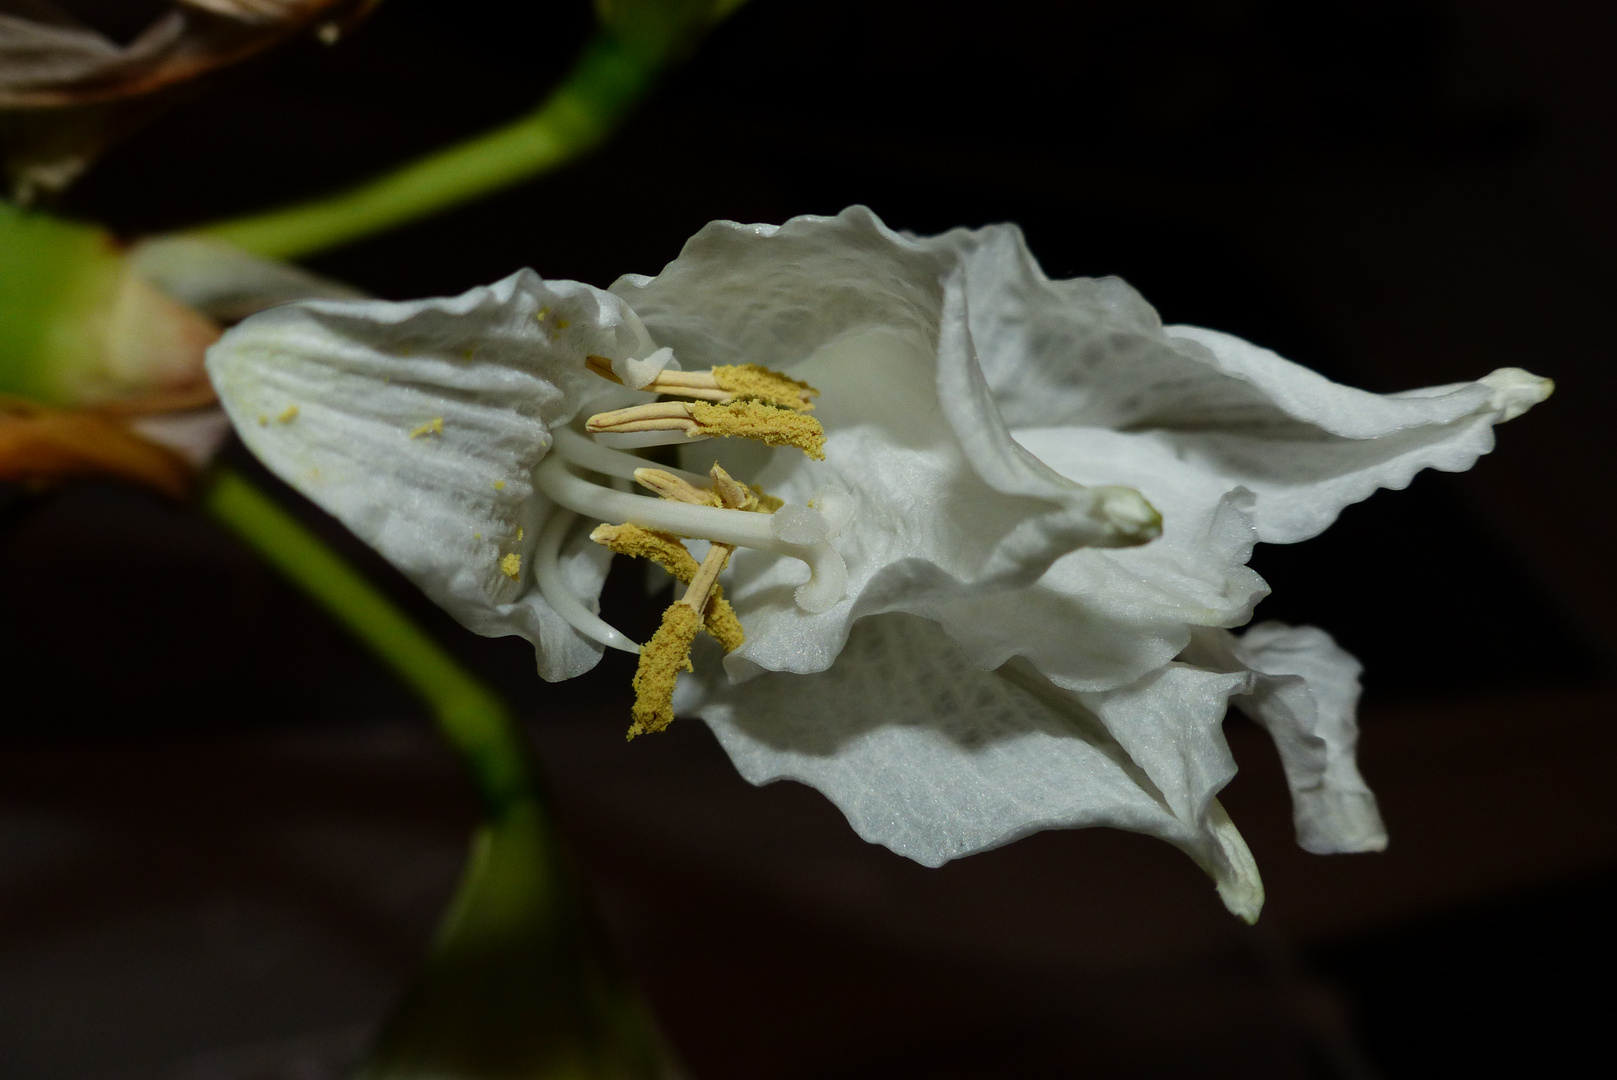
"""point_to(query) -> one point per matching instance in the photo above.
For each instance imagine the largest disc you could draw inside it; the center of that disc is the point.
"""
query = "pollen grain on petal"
(435, 426)
(769, 424)
(661, 660)
(288, 414)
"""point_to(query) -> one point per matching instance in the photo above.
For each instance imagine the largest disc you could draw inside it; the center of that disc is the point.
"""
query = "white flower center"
(577, 474)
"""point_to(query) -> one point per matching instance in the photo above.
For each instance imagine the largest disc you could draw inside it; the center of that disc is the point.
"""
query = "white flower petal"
(1304, 692)
(418, 425)
(935, 758)
(945, 504)
(1091, 353)
(1102, 618)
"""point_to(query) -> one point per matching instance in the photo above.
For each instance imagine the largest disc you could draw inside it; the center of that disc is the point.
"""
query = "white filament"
(828, 574)
(552, 586)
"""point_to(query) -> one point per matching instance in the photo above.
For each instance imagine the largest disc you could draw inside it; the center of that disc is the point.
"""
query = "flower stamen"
(722, 384)
(747, 419)
(670, 647)
(666, 551)
(669, 486)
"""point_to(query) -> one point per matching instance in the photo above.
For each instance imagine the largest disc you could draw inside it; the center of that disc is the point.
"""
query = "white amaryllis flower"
(993, 639)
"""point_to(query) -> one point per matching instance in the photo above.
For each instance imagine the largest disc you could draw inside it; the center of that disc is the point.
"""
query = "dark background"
(225, 834)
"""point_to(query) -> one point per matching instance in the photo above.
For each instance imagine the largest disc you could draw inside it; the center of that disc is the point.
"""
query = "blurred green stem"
(520, 982)
(471, 717)
(602, 87)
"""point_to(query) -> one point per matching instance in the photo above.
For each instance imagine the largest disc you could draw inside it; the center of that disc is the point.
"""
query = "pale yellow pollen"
(499, 485)
(767, 503)
(758, 383)
(666, 551)
(721, 622)
(539, 316)
(511, 566)
(768, 424)
(562, 324)
(723, 384)
(435, 426)
(287, 415)
(661, 660)
(638, 542)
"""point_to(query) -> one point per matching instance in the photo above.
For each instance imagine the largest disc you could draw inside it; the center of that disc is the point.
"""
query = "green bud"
(78, 326)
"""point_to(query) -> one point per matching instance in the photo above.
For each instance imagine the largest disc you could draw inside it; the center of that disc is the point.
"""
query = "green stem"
(470, 716)
(520, 981)
(600, 90)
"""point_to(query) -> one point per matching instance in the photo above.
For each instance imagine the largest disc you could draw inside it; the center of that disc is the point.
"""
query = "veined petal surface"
(418, 425)
(947, 505)
(936, 758)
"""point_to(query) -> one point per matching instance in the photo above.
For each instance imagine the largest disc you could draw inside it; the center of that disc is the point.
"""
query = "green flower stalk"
(637, 42)
(520, 982)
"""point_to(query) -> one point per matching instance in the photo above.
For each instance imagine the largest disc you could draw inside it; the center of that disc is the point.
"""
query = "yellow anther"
(511, 566)
(723, 384)
(758, 383)
(435, 426)
(721, 623)
(767, 423)
(287, 415)
(767, 504)
(661, 416)
(731, 493)
(661, 660)
(742, 419)
(662, 548)
(669, 486)
(666, 551)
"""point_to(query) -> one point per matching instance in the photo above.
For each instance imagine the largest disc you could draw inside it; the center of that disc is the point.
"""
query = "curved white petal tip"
(1515, 391)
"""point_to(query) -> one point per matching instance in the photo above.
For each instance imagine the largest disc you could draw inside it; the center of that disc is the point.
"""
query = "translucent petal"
(935, 758)
(418, 426)
(1091, 353)
(1305, 692)
(946, 504)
